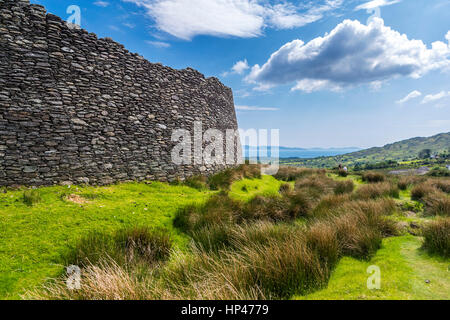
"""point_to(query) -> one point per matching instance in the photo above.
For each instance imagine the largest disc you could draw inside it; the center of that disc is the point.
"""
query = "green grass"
(34, 240)
(405, 268)
(247, 189)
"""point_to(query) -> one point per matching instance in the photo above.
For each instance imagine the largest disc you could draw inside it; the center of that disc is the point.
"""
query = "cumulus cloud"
(238, 68)
(100, 3)
(434, 97)
(412, 95)
(252, 108)
(376, 4)
(239, 18)
(352, 53)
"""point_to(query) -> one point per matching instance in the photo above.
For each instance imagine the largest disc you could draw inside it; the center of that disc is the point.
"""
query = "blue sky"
(342, 73)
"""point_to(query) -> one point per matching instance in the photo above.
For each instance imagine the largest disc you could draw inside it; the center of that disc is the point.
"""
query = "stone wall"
(78, 109)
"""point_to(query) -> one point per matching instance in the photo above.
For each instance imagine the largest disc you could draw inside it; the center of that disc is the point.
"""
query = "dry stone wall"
(78, 109)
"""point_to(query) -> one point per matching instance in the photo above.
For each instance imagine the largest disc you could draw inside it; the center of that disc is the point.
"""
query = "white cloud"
(376, 4)
(158, 44)
(129, 25)
(434, 97)
(238, 68)
(100, 3)
(351, 54)
(239, 18)
(412, 95)
(252, 108)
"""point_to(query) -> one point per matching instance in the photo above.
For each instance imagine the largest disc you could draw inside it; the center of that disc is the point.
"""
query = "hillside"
(405, 150)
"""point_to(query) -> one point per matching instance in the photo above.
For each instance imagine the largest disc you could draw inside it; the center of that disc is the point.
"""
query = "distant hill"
(399, 151)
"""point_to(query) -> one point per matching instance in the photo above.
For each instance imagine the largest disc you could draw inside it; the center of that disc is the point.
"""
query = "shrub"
(343, 187)
(422, 190)
(31, 197)
(437, 237)
(125, 247)
(437, 204)
(377, 190)
(373, 177)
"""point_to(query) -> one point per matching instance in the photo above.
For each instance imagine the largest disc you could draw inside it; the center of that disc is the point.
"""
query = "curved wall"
(78, 109)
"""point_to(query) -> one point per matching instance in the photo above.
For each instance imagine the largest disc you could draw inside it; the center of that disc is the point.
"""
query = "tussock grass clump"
(342, 173)
(103, 281)
(197, 182)
(285, 188)
(404, 183)
(343, 187)
(317, 185)
(443, 185)
(373, 177)
(31, 197)
(293, 173)
(437, 237)
(377, 190)
(328, 205)
(126, 247)
(439, 172)
(422, 190)
(437, 204)
(224, 179)
(219, 209)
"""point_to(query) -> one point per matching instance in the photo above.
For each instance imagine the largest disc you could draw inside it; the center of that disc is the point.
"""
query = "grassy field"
(407, 272)
(35, 239)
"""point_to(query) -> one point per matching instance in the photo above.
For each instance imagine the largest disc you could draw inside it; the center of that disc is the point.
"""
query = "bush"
(437, 204)
(343, 187)
(31, 197)
(373, 177)
(437, 237)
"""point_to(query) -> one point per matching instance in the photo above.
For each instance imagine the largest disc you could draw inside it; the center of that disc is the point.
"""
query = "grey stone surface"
(75, 108)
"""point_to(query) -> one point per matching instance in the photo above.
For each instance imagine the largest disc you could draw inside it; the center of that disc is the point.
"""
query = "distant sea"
(302, 153)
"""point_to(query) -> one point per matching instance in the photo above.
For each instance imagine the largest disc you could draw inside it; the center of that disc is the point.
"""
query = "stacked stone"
(78, 109)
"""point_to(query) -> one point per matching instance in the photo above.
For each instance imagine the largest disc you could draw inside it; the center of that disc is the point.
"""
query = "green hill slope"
(399, 151)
